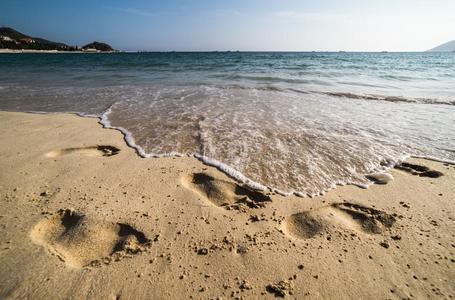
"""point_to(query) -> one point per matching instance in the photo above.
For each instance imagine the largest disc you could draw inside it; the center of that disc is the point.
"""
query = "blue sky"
(278, 25)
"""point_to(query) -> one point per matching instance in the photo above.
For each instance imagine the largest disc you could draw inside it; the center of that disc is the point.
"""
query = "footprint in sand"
(422, 171)
(101, 150)
(224, 193)
(351, 216)
(80, 241)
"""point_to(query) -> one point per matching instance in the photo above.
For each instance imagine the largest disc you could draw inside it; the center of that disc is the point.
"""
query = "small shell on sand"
(380, 178)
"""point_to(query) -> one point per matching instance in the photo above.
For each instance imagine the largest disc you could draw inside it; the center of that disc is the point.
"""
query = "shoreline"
(172, 227)
(214, 51)
(237, 176)
(50, 51)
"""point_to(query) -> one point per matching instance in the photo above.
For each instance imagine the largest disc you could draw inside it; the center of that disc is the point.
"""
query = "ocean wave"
(349, 95)
(393, 99)
(273, 79)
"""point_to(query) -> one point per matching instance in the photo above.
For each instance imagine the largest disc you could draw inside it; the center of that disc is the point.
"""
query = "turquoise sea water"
(296, 122)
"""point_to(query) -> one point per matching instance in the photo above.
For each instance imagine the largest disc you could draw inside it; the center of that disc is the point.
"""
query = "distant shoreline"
(50, 51)
(117, 51)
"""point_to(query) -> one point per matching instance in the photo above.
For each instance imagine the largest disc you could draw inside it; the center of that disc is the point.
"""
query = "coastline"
(191, 230)
(50, 51)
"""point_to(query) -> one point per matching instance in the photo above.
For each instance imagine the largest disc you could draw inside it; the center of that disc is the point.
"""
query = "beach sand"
(82, 216)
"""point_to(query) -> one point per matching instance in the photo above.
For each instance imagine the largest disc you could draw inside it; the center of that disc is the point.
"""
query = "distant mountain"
(6, 31)
(13, 39)
(447, 47)
(98, 47)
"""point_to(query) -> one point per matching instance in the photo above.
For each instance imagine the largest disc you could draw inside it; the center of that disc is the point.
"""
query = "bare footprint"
(224, 193)
(80, 241)
(304, 225)
(422, 171)
(369, 219)
(350, 216)
(101, 150)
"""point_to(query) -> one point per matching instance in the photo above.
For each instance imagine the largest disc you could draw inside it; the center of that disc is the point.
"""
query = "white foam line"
(88, 115)
(231, 172)
(104, 120)
(237, 175)
(255, 185)
(129, 139)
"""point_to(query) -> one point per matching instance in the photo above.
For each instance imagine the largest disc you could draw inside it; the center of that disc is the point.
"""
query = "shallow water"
(296, 122)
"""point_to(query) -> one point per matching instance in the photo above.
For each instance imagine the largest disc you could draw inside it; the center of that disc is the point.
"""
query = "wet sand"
(83, 216)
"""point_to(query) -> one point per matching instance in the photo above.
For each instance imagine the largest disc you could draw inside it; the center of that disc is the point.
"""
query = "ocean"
(297, 123)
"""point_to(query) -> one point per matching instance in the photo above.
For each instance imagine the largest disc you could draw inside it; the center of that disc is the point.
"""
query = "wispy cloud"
(146, 13)
(236, 12)
(303, 16)
(135, 11)
(225, 12)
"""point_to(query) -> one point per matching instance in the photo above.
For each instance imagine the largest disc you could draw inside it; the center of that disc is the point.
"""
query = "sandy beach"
(82, 216)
